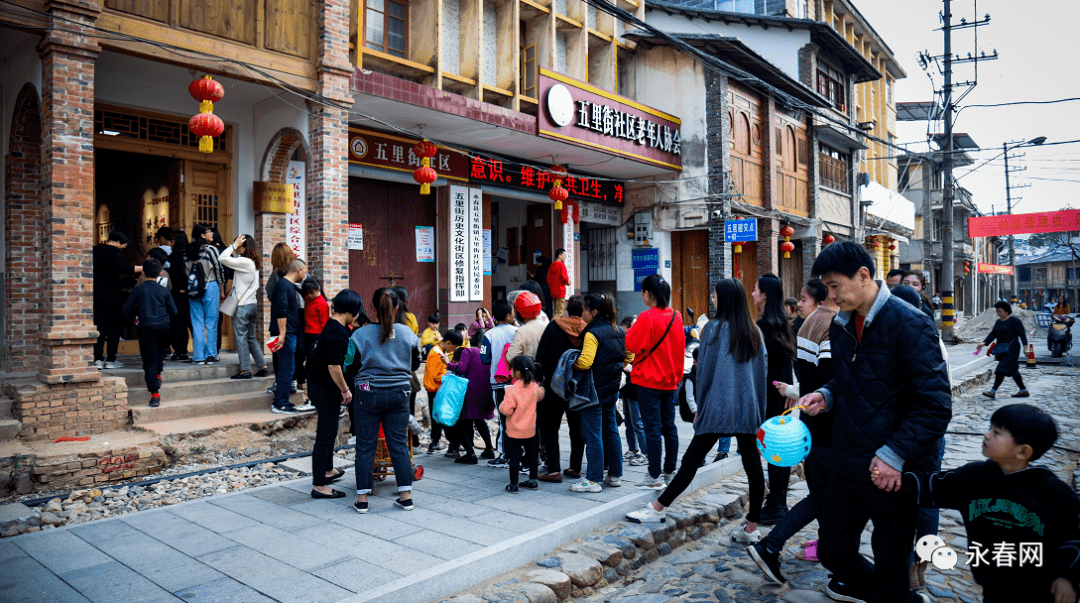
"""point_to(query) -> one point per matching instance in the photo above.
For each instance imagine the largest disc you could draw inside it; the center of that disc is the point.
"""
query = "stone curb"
(470, 570)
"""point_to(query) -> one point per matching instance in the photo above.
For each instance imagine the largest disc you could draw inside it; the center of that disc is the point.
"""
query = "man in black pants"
(153, 305)
(560, 335)
(891, 402)
(109, 268)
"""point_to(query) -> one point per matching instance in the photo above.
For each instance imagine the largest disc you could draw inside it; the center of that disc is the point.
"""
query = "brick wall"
(717, 158)
(76, 469)
(49, 411)
(22, 233)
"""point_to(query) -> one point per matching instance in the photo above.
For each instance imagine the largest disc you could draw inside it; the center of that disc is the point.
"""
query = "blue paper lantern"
(783, 441)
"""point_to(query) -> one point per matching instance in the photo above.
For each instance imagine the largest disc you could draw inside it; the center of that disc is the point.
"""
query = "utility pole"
(1008, 210)
(947, 312)
(928, 164)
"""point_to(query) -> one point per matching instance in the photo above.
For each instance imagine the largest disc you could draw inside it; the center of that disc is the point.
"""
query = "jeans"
(550, 413)
(286, 356)
(243, 325)
(849, 503)
(657, 408)
(514, 449)
(818, 466)
(153, 345)
(327, 401)
(388, 407)
(723, 445)
(635, 430)
(696, 452)
(204, 322)
(926, 522)
(603, 447)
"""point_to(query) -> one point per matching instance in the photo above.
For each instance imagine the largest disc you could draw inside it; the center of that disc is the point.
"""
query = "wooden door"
(744, 266)
(390, 213)
(538, 234)
(791, 271)
(206, 201)
(690, 271)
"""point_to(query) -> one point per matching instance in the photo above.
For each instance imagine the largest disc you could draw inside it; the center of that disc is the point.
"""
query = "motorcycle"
(690, 331)
(1059, 338)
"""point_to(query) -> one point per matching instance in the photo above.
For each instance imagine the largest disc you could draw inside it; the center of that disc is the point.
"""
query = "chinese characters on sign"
(487, 251)
(459, 244)
(994, 269)
(476, 245)
(736, 231)
(568, 245)
(295, 233)
(1005, 554)
(1013, 224)
(600, 214)
(519, 176)
(581, 114)
(376, 149)
(425, 243)
(355, 240)
(645, 262)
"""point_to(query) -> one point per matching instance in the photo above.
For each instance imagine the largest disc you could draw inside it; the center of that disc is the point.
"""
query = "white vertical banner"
(476, 245)
(571, 257)
(295, 231)
(459, 243)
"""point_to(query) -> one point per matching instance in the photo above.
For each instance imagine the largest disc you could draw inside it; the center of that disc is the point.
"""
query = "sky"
(1038, 60)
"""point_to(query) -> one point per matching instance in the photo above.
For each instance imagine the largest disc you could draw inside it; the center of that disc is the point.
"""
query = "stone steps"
(224, 420)
(9, 426)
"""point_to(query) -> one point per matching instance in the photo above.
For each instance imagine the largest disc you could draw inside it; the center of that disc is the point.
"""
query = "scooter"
(1059, 338)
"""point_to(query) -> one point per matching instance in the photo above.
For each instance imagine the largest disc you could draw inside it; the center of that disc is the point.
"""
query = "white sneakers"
(586, 486)
(648, 514)
(668, 477)
(108, 364)
(746, 538)
(639, 460)
(651, 483)
(306, 407)
(612, 481)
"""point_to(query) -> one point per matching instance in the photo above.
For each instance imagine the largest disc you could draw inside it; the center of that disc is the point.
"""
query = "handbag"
(449, 399)
(1000, 349)
(502, 370)
(232, 302)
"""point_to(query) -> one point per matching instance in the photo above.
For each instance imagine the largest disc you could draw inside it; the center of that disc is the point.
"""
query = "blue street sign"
(645, 259)
(736, 231)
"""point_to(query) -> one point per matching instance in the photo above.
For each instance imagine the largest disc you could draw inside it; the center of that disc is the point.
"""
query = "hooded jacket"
(559, 335)
(890, 392)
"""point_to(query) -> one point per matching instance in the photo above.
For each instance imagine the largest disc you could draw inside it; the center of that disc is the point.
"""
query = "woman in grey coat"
(731, 394)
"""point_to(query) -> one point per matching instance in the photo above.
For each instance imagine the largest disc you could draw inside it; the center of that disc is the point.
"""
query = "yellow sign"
(273, 197)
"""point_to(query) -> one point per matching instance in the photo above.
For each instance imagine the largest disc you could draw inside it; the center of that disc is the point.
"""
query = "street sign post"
(740, 231)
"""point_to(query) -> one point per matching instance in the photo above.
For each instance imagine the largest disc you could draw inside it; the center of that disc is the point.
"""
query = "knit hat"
(527, 305)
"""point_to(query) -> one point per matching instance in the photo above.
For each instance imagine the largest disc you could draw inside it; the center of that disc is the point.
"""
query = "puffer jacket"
(890, 394)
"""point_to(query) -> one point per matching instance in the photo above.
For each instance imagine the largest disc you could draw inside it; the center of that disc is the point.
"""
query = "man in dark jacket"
(153, 306)
(891, 402)
(109, 269)
(560, 335)
(285, 316)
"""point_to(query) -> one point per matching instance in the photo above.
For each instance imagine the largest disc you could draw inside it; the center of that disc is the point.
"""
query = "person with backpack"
(206, 291)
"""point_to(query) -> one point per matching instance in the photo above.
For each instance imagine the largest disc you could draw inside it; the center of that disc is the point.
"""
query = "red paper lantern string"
(425, 174)
(206, 125)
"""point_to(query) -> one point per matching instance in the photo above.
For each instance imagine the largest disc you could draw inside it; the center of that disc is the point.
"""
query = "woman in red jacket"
(656, 340)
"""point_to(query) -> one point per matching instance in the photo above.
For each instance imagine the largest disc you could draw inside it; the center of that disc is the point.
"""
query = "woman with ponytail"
(603, 351)
(387, 353)
(768, 296)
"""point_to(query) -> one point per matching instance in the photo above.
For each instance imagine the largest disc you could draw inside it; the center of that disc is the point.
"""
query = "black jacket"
(610, 357)
(152, 303)
(890, 393)
(109, 269)
(780, 369)
(284, 304)
(1008, 332)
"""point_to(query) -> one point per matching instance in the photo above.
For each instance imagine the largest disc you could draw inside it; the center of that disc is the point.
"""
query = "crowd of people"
(860, 357)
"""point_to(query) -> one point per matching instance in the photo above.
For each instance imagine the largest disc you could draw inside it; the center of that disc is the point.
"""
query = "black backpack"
(196, 280)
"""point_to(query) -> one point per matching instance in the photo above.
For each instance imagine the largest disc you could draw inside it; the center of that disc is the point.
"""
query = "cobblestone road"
(716, 569)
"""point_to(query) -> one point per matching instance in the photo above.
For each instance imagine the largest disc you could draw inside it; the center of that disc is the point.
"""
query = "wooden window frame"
(832, 85)
(385, 46)
(834, 168)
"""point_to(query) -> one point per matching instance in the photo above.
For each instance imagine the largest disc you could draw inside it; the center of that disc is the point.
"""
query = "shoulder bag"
(229, 306)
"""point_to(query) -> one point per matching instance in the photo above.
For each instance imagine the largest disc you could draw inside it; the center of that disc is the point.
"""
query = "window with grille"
(385, 25)
(834, 169)
(832, 85)
(602, 254)
(206, 209)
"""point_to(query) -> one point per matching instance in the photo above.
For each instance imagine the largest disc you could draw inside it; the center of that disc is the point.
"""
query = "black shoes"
(530, 485)
(333, 494)
(469, 459)
(839, 591)
(512, 488)
(241, 376)
(361, 507)
(155, 400)
(262, 372)
(340, 474)
(768, 562)
(404, 504)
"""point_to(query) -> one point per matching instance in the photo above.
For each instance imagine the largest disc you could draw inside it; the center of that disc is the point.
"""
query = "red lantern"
(558, 194)
(425, 174)
(206, 126)
(787, 247)
(828, 239)
(558, 173)
(892, 247)
(786, 232)
(207, 92)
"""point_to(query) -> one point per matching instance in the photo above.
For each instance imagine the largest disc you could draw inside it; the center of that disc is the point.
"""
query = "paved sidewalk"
(276, 543)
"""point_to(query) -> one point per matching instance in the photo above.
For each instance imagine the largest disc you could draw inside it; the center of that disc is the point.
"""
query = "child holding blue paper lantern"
(731, 395)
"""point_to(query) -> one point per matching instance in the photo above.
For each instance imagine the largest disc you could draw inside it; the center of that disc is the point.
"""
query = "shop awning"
(888, 206)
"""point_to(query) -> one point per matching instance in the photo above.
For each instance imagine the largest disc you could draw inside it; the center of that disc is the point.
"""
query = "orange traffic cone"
(1031, 356)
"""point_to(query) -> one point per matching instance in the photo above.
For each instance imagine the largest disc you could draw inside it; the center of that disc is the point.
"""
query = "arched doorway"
(22, 236)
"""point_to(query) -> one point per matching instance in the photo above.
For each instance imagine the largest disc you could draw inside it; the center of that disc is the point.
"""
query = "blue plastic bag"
(449, 399)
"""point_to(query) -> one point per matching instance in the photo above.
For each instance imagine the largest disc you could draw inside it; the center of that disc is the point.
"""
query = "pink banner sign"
(1014, 224)
(994, 269)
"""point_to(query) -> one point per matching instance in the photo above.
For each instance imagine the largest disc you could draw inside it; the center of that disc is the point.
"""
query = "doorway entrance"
(390, 213)
(690, 271)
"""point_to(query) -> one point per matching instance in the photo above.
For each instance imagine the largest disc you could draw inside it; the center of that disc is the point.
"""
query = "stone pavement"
(275, 543)
(715, 569)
